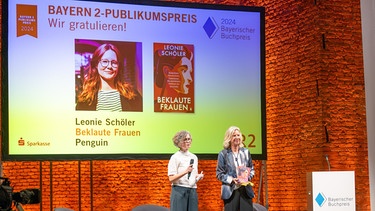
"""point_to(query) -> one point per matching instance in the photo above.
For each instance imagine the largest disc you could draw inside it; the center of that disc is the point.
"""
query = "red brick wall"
(313, 86)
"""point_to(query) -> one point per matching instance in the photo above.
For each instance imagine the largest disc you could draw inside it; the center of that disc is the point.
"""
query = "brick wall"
(315, 107)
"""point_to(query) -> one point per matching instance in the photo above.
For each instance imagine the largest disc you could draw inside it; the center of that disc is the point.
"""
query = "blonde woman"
(236, 193)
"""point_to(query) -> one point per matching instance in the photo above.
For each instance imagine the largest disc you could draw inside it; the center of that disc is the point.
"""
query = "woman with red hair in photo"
(104, 87)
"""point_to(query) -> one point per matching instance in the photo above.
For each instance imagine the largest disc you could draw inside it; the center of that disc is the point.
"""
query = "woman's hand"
(199, 176)
(236, 181)
(189, 169)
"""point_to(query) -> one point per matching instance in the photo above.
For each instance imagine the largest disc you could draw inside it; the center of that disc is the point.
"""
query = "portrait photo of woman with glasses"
(106, 80)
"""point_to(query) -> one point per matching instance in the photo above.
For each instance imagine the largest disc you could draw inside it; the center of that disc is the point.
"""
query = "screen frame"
(5, 90)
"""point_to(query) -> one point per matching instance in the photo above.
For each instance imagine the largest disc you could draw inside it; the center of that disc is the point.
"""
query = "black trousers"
(239, 201)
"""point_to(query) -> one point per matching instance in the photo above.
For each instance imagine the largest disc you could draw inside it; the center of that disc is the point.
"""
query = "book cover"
(243, 175)
(173, 78)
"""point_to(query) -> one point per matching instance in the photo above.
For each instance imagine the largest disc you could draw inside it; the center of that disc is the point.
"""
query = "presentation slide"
(107, 80)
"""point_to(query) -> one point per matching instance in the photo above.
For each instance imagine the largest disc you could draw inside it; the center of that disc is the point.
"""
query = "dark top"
(135, 104)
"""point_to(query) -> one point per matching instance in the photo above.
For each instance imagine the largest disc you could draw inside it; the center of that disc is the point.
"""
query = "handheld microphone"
(191, 163)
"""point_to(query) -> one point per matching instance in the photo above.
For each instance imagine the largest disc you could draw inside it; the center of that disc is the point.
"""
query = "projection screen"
(175, 66)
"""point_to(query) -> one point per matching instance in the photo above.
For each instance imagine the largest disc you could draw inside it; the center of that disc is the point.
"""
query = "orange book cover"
(173, 78)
